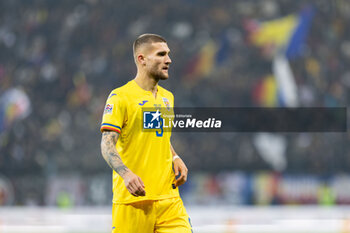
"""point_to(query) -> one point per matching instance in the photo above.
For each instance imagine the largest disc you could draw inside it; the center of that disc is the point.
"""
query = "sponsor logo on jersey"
(108, 109)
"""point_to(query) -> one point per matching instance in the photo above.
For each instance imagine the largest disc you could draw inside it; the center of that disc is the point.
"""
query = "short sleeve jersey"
(146, 154)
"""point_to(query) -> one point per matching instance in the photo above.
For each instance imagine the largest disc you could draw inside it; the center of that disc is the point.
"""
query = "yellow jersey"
(147, 154)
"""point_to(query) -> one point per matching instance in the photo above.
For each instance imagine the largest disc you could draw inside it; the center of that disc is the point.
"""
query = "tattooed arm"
(132, 182)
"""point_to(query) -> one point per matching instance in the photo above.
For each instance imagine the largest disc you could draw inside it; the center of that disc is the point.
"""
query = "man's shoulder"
(122, 90)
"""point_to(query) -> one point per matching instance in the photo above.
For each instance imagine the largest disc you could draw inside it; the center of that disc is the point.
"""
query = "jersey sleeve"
(114, 114)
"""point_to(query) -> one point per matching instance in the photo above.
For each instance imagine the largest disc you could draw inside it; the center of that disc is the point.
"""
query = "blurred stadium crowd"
(68, 55)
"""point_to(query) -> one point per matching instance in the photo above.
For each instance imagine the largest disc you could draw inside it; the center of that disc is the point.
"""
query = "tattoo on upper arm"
(110, 153)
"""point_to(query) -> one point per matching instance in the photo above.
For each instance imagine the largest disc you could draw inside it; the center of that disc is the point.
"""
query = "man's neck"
(147, 83)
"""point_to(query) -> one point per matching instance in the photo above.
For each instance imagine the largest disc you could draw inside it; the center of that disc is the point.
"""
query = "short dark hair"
(147, 38)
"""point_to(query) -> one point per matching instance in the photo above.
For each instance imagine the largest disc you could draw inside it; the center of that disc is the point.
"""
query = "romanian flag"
(287, 37)
(201, 65)
(211, 55)
(288, 33)
(265, 92)
(279, 89)
(275, 32)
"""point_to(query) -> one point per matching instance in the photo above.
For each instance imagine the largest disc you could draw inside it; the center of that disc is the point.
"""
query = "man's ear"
(141, 59)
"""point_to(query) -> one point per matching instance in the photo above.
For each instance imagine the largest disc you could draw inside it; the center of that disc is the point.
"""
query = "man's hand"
(134, 184)
(180, 168)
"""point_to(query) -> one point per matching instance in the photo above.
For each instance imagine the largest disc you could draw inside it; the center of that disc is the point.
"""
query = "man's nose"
(167, 60)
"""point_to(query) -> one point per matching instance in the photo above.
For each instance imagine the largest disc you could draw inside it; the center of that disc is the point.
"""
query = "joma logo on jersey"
(152, 120)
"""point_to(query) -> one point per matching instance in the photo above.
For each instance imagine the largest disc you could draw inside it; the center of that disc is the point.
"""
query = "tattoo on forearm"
(110, 154)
